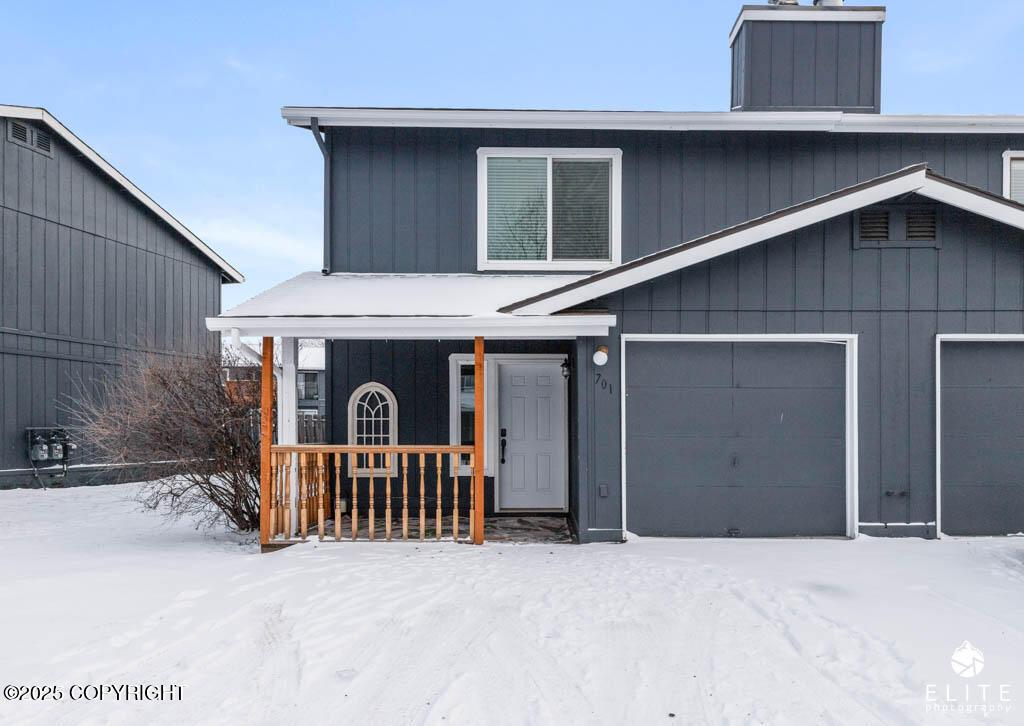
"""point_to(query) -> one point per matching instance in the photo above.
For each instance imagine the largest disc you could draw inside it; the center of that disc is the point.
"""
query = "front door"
(532, 439)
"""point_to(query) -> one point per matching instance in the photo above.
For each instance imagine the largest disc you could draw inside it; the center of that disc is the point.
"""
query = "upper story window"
(1013, 176)
(542, 209)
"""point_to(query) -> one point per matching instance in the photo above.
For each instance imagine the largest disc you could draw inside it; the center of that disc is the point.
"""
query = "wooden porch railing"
(310, 474)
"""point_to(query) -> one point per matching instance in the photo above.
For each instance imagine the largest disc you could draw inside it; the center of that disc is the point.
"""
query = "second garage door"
(982, 437)
(741, 439)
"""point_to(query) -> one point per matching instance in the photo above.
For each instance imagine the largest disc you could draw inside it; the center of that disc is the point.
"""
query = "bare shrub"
(175, 413)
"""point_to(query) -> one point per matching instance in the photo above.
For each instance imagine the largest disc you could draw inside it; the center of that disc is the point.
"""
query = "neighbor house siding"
(404, 200)
(88, 275)
(813, 281)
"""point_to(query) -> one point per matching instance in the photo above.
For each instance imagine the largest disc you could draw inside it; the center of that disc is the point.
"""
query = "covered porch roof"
(406, 306)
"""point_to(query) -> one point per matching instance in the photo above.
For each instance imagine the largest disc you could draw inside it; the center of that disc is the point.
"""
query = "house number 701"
(601, 381)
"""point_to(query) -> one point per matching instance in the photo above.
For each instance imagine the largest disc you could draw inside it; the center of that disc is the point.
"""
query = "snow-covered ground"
(95, 592)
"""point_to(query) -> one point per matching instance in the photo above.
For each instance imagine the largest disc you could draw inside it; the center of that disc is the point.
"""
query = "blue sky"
(184, 97)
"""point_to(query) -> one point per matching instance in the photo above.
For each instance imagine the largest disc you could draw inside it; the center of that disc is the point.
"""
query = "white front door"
(532, 438)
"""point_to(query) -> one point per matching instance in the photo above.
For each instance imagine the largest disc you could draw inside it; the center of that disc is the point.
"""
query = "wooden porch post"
(266, 435)
(478, 439)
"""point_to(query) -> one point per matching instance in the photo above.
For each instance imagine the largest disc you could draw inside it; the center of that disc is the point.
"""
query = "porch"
(377, 488)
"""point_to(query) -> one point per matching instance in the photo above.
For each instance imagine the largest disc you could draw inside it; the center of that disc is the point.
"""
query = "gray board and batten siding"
(807, 66)
(88, 275)
(404, 200)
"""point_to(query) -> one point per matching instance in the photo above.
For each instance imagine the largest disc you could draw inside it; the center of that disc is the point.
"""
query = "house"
(93, 270)
(311, 399)
(797, 317)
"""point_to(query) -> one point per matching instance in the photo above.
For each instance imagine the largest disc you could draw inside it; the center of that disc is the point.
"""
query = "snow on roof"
(342, 294)
(311, 357)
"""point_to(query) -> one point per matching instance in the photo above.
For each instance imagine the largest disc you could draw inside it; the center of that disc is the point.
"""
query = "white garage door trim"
(939, 340)
(850, 341)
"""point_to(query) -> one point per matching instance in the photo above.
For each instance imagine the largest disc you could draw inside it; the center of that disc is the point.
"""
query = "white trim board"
(941, 338)
(43, 116)
(803, 13)
(550, 153)
(850, 341)
(822, 121)
(914, 179)
(497, 327)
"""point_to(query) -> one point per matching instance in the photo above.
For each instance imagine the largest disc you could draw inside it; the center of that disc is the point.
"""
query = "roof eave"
(31, 113)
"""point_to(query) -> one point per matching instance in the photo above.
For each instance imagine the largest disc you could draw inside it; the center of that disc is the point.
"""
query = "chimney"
(821, 57)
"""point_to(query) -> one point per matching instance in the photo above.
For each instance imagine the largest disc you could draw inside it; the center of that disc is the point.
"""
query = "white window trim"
(392, 428)
(851, 422)
(614, 220)
(1009, 156)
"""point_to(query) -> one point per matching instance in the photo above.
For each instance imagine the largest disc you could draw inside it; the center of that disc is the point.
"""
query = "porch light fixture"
(566, 369)
(601, 355)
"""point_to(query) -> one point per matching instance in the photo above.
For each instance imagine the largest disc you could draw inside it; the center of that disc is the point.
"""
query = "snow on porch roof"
(425, 306)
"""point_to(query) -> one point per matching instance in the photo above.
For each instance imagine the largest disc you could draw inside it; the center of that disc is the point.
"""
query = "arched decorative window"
(372, 421)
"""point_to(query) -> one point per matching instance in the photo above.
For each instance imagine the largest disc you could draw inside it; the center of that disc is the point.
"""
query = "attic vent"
(921, 224)
(19, 132)
(874, 225)
(43, 141)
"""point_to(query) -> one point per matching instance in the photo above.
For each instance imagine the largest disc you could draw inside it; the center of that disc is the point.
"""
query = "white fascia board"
(781, 224)
(997, 209)
(807, 14)
(43, 116)
(825, 121)
(513, 327)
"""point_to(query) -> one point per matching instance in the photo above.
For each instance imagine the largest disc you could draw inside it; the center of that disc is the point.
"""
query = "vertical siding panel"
(449, 191)
(866, 279)
(630, 197)
(848, 47)
(895, 414)
(357, 239)
(665, 292)
(382, 220)
(924, 279)
(895, 279)
(405, 201)
(866, 88)
(782, 65)
(426, 201)
(694, 201)
(736, 192)
(809, 265)
(866, 326)
(648, 182)
(826, 64)
(341, 213)
(921, 417)
(803, 73)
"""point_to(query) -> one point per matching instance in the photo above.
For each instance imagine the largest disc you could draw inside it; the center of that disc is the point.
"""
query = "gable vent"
(19, 132)
(921, 224)
(874, 225)
(42, 141)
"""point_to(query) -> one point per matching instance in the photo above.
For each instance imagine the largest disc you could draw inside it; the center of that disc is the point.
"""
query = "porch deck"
(503, 529)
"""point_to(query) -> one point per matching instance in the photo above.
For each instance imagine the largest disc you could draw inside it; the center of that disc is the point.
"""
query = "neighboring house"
(309, 377)
(800, 317)
(92, 269)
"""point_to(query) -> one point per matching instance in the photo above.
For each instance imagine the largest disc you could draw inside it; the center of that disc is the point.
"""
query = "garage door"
(982, 437)
(743, 439)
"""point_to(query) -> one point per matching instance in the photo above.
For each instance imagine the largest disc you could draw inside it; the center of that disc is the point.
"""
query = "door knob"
(504, 442)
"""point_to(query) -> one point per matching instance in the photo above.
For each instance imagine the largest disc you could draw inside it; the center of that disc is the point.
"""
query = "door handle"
(504, 442)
